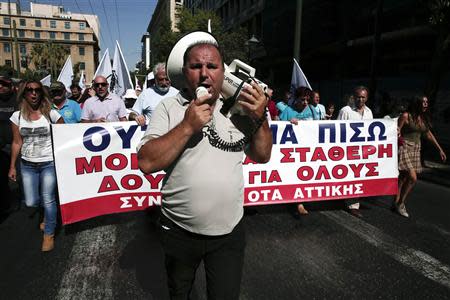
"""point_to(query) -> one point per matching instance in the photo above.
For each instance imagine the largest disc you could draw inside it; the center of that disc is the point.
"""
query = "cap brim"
(174, 65)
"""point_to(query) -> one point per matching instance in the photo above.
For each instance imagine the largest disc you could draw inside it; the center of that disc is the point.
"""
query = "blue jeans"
(39, 186)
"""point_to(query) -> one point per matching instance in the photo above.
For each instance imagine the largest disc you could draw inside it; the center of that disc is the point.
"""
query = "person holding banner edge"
(357, 110)
(202, 206)
(32, 138)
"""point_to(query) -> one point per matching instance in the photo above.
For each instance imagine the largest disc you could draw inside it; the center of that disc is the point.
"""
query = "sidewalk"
(436, 172)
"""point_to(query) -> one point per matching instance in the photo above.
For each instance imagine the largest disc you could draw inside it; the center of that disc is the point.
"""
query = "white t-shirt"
(36, 136)
(350, 113)
(320, 110)
(149, 99)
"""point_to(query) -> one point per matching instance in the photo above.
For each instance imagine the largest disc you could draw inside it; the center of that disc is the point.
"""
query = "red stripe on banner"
(88, 208)
(92, 207)
(319, 191)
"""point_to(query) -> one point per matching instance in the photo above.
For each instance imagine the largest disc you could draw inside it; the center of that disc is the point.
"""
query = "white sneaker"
(401, 209)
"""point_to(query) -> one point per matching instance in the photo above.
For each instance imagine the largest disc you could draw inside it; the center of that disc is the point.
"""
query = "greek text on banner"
(97, 167)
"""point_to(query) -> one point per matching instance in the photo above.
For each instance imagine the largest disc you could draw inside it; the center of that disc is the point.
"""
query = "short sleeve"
(85, 112)
(122, 113)
(281, 106)
(137, 107)
(54, 116)
(77, 111)
(15, 118)
(343, 115)
(158, 125)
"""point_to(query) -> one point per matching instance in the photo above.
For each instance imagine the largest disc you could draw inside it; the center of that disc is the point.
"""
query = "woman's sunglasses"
(31, 90)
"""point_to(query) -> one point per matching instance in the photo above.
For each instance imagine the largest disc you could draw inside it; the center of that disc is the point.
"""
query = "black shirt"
(8, 105)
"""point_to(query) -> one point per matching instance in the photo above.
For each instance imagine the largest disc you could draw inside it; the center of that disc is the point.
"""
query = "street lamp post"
(253, 41)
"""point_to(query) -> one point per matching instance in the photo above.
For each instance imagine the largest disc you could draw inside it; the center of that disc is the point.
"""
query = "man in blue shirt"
(68, 109)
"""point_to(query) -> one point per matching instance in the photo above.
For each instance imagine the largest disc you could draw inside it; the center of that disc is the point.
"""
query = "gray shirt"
(203, 189)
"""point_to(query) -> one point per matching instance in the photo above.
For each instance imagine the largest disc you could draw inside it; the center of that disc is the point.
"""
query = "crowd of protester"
(28, 109)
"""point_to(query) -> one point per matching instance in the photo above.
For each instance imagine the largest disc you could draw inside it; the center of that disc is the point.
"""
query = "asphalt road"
(328, 254)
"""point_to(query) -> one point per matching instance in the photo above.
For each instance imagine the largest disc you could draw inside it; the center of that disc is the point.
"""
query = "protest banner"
(97, 166)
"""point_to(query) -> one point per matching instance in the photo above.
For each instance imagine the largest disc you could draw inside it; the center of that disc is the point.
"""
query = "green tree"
(232, 42)
(439, 20)
(6, 70)
(49, 57)
(162, 42)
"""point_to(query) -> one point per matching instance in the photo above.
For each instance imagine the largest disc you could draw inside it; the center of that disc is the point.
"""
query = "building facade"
(165, 10)
(20, 30)
(337, 49)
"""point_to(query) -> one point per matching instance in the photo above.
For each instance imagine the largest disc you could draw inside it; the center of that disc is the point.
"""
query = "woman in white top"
(32, 137)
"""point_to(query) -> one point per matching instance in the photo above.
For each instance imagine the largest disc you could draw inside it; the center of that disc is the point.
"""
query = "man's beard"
(162, 89)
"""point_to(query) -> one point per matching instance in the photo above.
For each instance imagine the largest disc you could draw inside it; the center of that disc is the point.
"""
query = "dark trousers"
(223, 258)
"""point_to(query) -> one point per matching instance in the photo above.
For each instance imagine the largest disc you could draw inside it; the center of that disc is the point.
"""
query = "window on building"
(82, 66)
(37, 34)
(21, 33)
(52, 23)
(7, 20)
(81, 51)
(23, 22)
(8, 62)
(7, 47)
(81, 36)
(37, 23)
(82, 25)
(67, 25)
(67, 35)
(52, 35)
(5, 32)
(23, 49)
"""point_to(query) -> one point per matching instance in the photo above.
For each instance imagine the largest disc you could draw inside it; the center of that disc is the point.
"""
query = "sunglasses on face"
(100, 84)
(31, 90)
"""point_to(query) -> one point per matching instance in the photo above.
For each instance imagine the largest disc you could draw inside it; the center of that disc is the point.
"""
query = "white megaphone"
(237, 74)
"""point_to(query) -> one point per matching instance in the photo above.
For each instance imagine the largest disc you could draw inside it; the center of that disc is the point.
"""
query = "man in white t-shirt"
(357, 111)
(148, 100)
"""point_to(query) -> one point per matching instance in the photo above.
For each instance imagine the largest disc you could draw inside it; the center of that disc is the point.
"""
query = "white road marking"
(91, 264)
(420, 261)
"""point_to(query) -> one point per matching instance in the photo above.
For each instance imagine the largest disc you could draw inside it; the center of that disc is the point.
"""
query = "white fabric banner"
(98, 173)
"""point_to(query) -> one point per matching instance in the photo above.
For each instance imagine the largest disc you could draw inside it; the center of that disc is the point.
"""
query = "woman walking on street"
(412, 124)
(31, 136)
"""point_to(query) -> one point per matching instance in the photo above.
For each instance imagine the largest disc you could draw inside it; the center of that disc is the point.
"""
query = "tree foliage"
(49, 57)
(232, 42)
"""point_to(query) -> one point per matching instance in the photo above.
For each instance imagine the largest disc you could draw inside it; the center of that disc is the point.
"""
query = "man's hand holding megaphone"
(199, 111)
(254, 101)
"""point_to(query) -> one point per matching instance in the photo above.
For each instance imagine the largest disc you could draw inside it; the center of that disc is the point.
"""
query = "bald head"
(100, 86)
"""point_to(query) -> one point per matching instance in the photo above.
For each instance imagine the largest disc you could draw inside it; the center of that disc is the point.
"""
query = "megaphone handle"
(229, 102)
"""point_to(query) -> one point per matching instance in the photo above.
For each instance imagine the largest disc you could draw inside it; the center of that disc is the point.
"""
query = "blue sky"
(127, 28)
